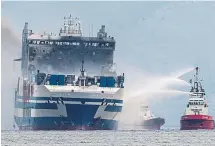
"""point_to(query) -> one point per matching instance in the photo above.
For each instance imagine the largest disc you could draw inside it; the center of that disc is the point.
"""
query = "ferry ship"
(196, 113)
(148, 120)
(68, 81)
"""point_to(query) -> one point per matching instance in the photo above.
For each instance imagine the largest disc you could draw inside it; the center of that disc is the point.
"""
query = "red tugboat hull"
(195, 122)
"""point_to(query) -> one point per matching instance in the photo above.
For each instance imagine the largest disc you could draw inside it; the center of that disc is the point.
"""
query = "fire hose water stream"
(149, 88)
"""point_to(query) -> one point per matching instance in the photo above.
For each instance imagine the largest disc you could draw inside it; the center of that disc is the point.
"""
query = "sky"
(154, 38)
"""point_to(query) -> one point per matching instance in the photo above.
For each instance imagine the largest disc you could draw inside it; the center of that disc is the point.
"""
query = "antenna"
(83, 28)
(89, 30)
(92, 30)
(82, 68)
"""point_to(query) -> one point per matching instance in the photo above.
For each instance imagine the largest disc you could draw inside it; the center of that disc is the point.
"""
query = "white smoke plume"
(11, 49)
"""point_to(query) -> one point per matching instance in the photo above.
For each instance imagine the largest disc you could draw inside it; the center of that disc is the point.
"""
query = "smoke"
(11, 49)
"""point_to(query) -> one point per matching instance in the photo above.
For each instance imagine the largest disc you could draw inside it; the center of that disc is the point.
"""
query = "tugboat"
(196, 113)
(149, 121)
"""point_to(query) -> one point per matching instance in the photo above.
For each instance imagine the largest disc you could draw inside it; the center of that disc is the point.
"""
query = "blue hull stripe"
(72, 107)
(74, 99)
(111, 108)
(36, 105)
(78, 116)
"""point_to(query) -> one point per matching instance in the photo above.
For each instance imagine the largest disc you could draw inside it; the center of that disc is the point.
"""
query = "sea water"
(109, 138)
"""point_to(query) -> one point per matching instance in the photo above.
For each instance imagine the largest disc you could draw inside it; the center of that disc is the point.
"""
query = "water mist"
(143, 88)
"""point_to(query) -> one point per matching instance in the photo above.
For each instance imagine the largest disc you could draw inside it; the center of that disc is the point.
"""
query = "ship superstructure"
(63, 53)
(68, 81)
(149, 120)
(196, 113)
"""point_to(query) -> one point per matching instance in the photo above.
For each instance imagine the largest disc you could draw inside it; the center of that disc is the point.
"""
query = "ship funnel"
(103, 28)
(26, 25)
(102, 33)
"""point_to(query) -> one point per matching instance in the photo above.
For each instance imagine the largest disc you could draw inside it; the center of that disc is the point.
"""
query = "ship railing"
(201, 95)
(72, 42)
(69, 46)
(70, 38)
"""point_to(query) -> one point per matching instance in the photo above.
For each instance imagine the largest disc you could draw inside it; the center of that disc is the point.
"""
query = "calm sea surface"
(109, 138)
